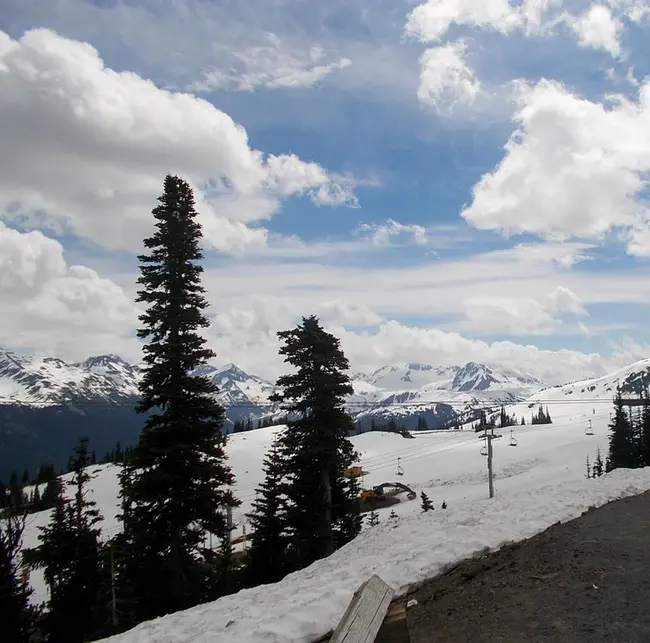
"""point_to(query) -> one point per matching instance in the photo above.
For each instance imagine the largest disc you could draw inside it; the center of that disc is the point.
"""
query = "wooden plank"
(365, 613)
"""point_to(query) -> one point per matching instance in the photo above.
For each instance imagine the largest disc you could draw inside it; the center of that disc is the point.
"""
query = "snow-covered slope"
(593, 395)
(537, 483)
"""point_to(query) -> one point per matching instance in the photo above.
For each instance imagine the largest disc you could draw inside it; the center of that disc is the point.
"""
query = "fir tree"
(323, 510)
(622, 447)
(645, 433)
(266, 560)
(17, 615)
(427, 505)
(392, 515)
(599, 467)
(178, 475)
(69, 553)
(373, 518)
(589, 471)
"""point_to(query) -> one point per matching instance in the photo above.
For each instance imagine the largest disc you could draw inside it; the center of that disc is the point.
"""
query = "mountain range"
(46, 404)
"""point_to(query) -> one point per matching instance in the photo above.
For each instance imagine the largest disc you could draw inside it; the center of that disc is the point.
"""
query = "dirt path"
(586, 581)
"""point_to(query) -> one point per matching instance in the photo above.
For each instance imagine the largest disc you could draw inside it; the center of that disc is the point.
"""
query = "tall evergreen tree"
(645, 433)
(178, 489)
(323, 512)
(70, 555)
(599, 466)
(17, 616)
(266, 560)
(623, 451)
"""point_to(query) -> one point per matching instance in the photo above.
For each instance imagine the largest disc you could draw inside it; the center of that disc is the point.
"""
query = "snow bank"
(308, 603)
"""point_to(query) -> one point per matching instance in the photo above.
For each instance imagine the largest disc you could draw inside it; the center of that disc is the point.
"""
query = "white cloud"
(56, 307)
(88, 147)
(383, 234)
(521, 315)
(430, 21)
(273, 65)
(634, 10)
(446, 80)
(598, 28)
(573, 168)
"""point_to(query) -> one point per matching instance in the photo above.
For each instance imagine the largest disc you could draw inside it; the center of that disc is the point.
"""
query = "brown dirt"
(585, 581)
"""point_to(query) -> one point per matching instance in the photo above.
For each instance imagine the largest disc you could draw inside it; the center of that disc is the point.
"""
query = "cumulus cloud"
(430, 21)
(60, 308)
(87, 148)
(446, 80)
(521, 315)
(598, 28)
(573, 168)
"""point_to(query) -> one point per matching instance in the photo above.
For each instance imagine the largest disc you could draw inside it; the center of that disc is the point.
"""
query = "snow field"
(537, 483)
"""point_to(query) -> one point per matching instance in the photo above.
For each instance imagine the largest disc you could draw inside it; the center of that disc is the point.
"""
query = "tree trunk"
(327, 516)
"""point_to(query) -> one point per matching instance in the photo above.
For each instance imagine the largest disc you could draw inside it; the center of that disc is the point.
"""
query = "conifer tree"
(69, 554)
(427, 505)
(645, 433)
(323, 510)
(179, 478)
(622, 444)
(17, 615)
(266, 560)
(599, 467)
(373, 518)
(589, 471)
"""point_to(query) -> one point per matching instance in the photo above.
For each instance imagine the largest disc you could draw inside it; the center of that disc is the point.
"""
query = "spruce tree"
(373, 518)
(645, 433)
(266, 559)
(17, 616)
(427, 505)
(323, 510)
(599, 467)
(179, 478)
(70, 555)
(589, 471)
(622, 444)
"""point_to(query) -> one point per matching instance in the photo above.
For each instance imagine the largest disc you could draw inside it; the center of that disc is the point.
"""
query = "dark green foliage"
(599, 467)
(373, 518)
(323, 511)
(644, 433)
(392, 515)
(623, 444)
(542, 416)
(177, 488)
(589, 471)
(505, 419)
(70, 555)
(266, 559)
(426, 504)
(18, 617)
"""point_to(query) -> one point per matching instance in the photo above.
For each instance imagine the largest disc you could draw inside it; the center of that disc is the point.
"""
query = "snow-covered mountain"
(440, 394)
(401, 390)
(49, 380)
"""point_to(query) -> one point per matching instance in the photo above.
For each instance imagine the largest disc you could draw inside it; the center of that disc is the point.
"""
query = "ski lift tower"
(488, 436)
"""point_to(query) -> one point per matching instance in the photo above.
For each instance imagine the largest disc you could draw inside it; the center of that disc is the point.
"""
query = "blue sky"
(439, 181)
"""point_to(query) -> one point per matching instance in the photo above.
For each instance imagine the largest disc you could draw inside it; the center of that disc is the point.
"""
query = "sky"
(440, 182)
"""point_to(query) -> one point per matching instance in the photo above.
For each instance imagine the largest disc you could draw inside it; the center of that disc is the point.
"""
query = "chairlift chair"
(400, 470)
(513, 440)
(484, 450)
(589, 429)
